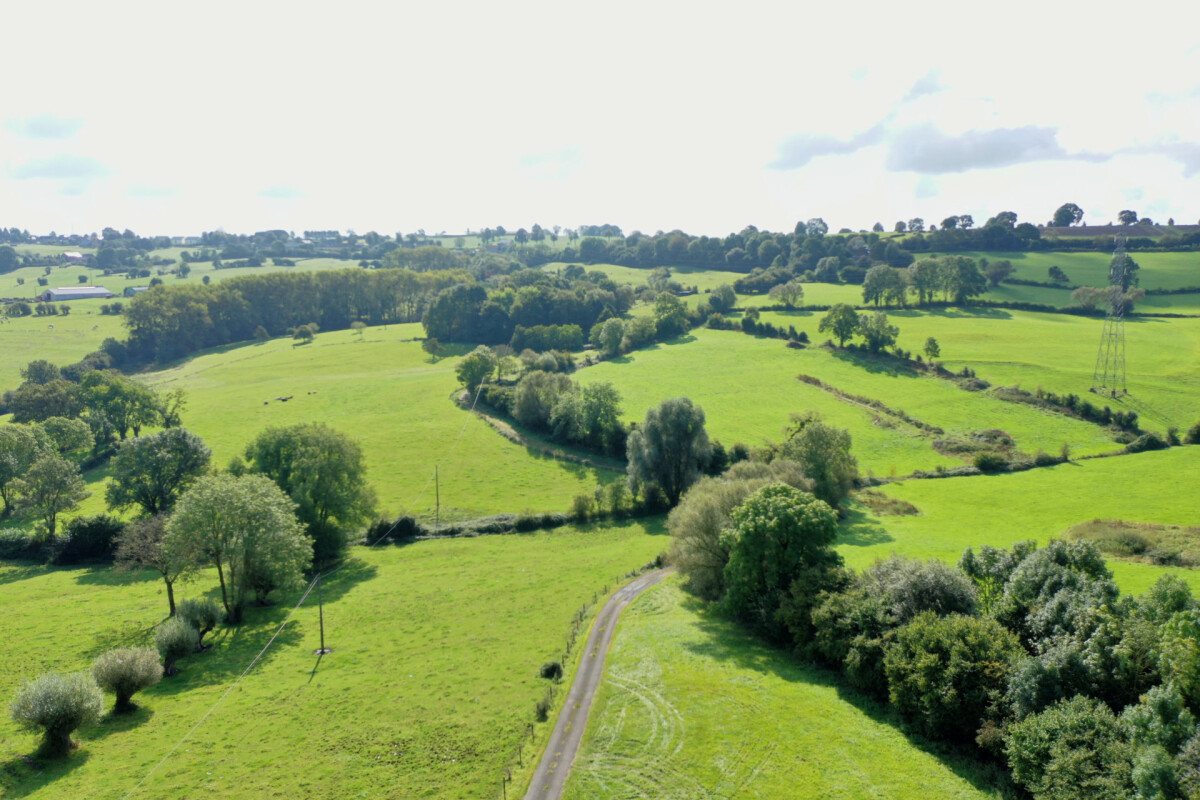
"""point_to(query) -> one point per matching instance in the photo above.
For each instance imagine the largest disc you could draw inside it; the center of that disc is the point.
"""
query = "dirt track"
(551, 775)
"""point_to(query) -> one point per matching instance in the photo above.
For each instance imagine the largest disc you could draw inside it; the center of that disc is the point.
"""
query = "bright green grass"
(1057, 352)
(998, 510)
(23, 339)
(432, 679)
(693, 706)
(1158, 270)
(748, 389)
(387, 394)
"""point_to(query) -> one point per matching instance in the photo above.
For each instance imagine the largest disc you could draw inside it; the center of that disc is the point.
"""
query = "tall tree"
(841, 322)
(51, 486)
(823, 452)
(667, 451)
(1128, 217)
(152, 471)
(126, 404)
(323, 472)
(877, 331)
(20, 446)
(1067, 214)
(140, 546)
(240, 525)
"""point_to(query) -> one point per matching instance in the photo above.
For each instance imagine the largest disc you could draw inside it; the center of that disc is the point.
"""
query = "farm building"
(74, 293)
(130, 291)
(74, 255)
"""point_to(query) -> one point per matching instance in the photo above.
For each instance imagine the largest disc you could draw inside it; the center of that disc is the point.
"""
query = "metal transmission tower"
(1109, 375)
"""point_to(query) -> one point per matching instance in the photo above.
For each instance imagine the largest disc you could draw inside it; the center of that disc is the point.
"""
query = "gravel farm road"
(551, 775)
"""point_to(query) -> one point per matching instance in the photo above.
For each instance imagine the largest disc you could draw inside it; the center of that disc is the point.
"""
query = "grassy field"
(1158, 270)
(748, 389)
(431, 683)
(61, 340)
(956, 513)
(388, 395)
(1055, 351)
(692, 706)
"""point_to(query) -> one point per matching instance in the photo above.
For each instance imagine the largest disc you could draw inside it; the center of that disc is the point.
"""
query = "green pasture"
(427, 693)
(1158, 270)
(395, 400)
(1040, 504)
(1056, 352)
(693, 706)
(58, 339)
(748, 389)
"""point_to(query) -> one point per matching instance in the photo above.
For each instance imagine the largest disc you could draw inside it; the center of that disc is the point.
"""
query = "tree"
(125, 672)
(950, 223)
(900, 226)
(152, 471)
(1067, 214)
(823, 453)
(68, 437)
(998, 271)
(239, 524)
(876, 330)
(966, 221)
(203, 614)
(535, 396)
(877, 227)
(476, 367)
(57, 705)
(432, 346)
(923, 277)
(884, 284)
(960, 278)
(51, 486)
(174, 639)
(916, 225)
(1057, 275)
(1089, 297)
(816, 227)
(324, 473)
(20, 446)
(140, 546)
(127, 405)
(932, 348)
(1126, 217)
(40, 371)
(943, 672)
(1074, 749)
(723, 298)
(666, 452)
(8, 259)
(791, 294)
(780, 557)
(607, 335)
(841, 322)
(670, 315)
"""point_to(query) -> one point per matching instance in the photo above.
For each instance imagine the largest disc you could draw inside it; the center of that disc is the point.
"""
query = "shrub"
(581, 506)
(1147, 441)
(201, 613)
(990, 462)
(16, 545)
(943, 672)
(57, 705)
(126, 671)
(1193, 435)
(1073, 744)
(541, 709)
(86, 539)
(1044, 459)
(551, 671)
(175, 639)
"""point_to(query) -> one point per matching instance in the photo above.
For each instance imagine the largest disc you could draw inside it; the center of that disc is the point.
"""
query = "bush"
(1193, 435)
(57, 705)
(990, 462)
(16, 545)
(86, 539)
(1147, 441)
(201, 613)
(551, 671)
(541, 710)
(942, 672)
(1044, 459)
(1073, 744)
(175, 639)
(126, 671)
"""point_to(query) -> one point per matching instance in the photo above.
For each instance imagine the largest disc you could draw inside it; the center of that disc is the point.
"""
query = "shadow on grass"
(860, 529)
(725, 641)
(20, 570)
(107, 576)
(21, 776)
(878, 364)
(112, 722)
(340, 580)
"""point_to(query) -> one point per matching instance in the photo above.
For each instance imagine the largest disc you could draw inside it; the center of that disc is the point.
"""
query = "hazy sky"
(174, 118)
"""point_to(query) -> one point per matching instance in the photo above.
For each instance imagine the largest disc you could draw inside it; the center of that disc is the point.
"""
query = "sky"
(173, 119)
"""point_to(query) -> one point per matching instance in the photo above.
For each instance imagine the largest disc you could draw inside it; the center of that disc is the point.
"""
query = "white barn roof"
(76, 293)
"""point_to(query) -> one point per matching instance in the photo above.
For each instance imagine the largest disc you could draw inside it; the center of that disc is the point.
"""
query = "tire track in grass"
(551, 775)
